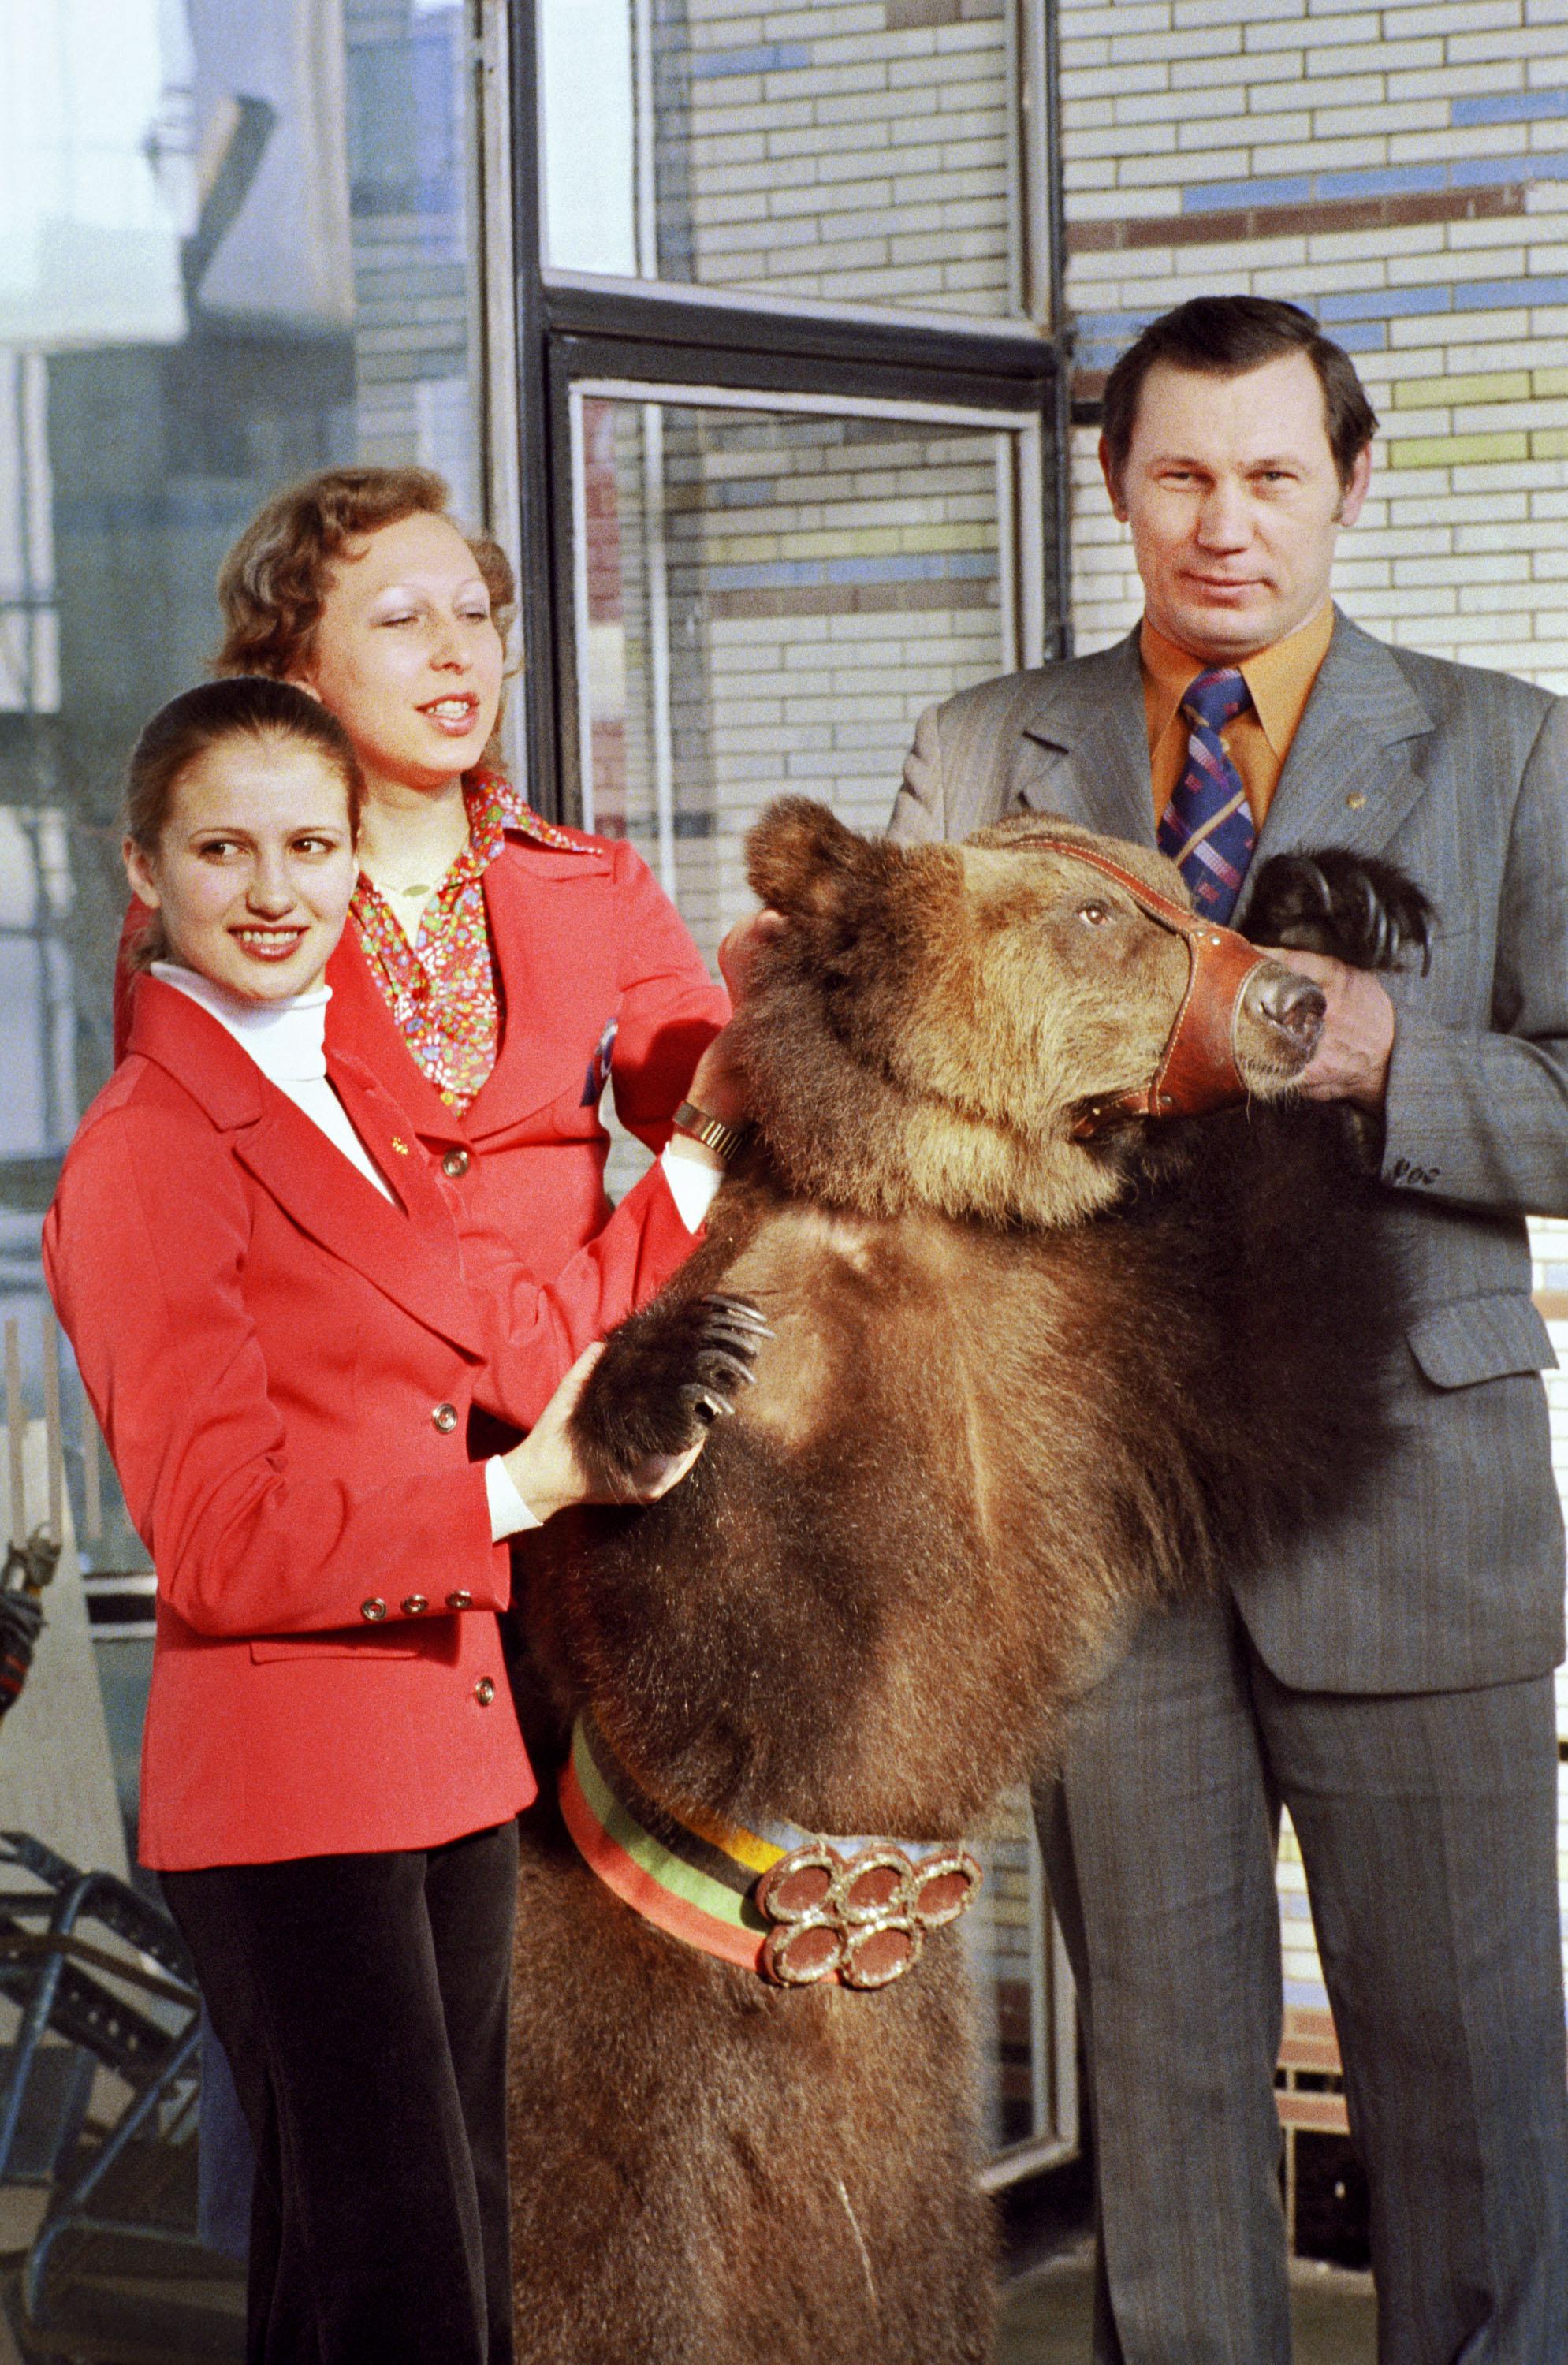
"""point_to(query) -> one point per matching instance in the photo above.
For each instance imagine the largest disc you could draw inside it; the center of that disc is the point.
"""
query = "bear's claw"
(666, 1377)
(1354, 906)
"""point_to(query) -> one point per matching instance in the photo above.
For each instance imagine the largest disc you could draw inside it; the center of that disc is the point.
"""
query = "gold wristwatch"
(722, 1139)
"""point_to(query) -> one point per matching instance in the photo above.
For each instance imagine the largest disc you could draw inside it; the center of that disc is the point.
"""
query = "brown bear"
(1041, 1356)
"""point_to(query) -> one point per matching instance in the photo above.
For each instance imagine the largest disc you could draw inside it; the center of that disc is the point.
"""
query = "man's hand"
(1351, 1062)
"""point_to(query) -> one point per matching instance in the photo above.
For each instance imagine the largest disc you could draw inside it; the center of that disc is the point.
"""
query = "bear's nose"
(1290, 1003)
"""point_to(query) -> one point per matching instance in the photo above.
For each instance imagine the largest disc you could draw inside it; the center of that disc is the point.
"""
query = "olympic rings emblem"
(859, 1919)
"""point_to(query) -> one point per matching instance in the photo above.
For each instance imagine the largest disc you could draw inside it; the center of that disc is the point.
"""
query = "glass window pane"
(586, 76)
(240, 246)
(1025, 2009)
(847, 154)
(768, 600)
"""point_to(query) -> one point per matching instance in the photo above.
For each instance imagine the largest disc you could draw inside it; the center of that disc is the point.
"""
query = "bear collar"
(801, 1910)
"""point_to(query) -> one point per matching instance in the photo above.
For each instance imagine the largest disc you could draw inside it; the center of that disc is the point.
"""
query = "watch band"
(722, 1139)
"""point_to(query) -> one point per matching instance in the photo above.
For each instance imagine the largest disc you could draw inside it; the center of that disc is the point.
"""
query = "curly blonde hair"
(273, 583)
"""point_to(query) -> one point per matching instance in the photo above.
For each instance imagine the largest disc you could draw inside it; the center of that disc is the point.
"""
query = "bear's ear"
(800, 857)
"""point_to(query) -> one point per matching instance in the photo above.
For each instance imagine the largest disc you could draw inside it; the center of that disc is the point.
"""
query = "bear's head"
(932, 1024)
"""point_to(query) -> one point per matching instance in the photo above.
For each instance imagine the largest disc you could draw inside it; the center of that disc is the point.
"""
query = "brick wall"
(825, 578)
(1403, 171)
(857, 150)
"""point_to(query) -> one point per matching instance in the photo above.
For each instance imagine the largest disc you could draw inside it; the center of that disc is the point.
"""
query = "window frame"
(572, 327)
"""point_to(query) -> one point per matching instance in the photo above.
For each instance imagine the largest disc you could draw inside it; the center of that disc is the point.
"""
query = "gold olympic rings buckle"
(859, 1918)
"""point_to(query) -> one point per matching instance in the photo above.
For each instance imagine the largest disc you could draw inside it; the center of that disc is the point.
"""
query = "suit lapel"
(543, 910)
(1349, 780)
(360, 1026)
(414, 1262)
(1085, 751)
(537, 934)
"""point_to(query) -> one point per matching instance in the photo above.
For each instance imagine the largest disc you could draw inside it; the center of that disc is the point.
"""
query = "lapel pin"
(1356, 800)
(400, 1145)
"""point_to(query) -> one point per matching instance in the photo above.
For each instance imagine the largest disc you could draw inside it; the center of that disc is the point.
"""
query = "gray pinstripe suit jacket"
(1453, 1576)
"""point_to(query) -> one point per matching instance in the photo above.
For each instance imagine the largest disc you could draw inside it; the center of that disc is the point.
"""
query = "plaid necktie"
(1207, 829)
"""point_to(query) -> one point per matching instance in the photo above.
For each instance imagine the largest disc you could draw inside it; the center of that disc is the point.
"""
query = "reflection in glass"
(237, 248)
(95, 187)
(240, 246)
(766, 600)
(836, 153)
(1026, 2069)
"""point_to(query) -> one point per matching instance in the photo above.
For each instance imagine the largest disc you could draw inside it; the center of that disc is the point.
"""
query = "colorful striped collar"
(798, 1908)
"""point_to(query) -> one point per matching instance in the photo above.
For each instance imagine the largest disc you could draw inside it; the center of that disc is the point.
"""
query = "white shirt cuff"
(693, 1185)
(509, 1515)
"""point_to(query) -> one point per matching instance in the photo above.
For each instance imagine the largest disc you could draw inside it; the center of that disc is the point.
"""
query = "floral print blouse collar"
(442, 990)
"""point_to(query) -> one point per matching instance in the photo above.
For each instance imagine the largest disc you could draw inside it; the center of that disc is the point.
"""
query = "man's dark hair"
(1225, 336)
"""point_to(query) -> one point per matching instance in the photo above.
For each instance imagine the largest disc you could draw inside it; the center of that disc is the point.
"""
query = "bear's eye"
(1095, 915)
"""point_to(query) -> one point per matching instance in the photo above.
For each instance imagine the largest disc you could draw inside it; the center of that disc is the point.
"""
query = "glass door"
(764, 590)
(767, 591)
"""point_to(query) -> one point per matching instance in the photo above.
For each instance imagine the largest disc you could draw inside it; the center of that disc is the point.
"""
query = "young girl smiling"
(257, 1264)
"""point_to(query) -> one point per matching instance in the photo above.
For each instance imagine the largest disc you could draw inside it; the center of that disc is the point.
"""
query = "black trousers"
(361, 2001)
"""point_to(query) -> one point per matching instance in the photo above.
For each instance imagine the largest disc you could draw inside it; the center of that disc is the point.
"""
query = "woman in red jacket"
(258, 1265)
(497, 971)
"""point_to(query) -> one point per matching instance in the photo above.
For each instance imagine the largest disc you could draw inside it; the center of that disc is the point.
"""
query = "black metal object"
(1333, 2207)
(58, 1979)
(882, 353)
(27, 1569)
(122, 2194)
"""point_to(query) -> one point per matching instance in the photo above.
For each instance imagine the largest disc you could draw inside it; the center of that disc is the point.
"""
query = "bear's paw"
(666, 1375)
(1352, 906)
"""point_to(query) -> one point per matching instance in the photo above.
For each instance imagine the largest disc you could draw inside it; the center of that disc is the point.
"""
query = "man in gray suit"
(1389, 1681)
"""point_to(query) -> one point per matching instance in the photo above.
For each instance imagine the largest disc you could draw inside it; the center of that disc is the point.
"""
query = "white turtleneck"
(287, 1041)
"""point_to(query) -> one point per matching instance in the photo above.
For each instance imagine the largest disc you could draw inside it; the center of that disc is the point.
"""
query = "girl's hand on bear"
(632, 1414)
(666, 1377)
(737, 954)
(546, 1468)
(552, 1470)
(719, 1084)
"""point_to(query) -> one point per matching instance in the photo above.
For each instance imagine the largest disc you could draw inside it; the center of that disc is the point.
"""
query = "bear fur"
(1022, 1388)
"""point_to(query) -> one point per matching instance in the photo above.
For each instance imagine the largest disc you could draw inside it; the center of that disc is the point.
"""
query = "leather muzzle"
(1197, 1069)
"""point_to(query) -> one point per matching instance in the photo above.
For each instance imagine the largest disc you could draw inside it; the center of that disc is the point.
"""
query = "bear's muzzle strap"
(1197, 1070)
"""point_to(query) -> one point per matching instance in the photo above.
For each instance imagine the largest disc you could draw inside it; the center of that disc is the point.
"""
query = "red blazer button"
(415, 1604)
(445, 1418)
(483, 1691)
(456, 1162)
(374, 1609)
(460, 1601)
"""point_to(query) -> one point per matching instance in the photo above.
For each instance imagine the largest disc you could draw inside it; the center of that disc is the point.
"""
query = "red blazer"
(585, 941)
(283, 1363)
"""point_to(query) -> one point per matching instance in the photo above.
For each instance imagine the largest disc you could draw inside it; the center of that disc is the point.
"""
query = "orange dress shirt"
(1258, 741)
